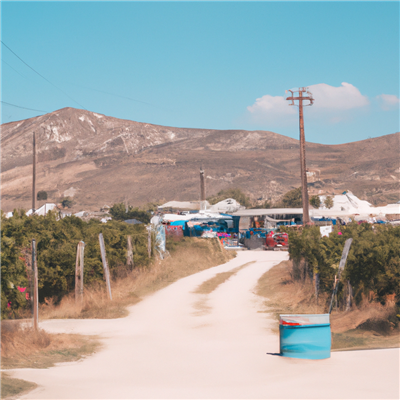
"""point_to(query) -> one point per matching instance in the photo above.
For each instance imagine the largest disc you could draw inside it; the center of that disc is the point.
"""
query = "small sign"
(325, 230)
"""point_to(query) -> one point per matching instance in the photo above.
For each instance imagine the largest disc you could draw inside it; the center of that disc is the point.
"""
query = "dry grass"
(210, 285)
(361, 328)
(188, 256)
(11, 387)
(23, 347)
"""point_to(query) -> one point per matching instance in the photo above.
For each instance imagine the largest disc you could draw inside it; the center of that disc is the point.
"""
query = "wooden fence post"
(79, 265)
(149, 241)
(105, 265)
(349, 296)
(316, 276)
(129, 254)
(35, 288)
(342, 263)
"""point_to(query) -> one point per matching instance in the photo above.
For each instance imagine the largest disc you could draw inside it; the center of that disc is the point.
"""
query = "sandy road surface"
(178, 344)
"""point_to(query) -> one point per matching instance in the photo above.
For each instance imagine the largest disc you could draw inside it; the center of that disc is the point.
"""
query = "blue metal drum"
(305, 336)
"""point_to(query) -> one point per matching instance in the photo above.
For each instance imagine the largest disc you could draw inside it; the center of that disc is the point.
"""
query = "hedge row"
(56, 242)
(373, 263)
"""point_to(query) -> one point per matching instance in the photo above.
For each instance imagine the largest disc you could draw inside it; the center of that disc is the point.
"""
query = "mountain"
(101, 160)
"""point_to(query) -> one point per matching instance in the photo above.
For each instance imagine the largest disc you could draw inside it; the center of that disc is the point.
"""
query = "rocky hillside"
(101, 160)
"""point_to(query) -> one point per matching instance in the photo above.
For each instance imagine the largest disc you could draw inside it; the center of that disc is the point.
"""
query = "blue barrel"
(305, 336)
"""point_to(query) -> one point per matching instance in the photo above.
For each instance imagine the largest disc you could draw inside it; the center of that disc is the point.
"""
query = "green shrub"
(56, 242)
(373, 263)
(315, 201)
(119, 212)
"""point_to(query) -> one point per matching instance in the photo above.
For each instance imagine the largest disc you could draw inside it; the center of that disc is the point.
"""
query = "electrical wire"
(24, 108)
(5, 62)
(66, 94)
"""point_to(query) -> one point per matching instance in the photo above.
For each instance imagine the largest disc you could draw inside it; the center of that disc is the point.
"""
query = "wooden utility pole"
(303, 171)
(105, 265)
(202, 190)
(34, 175)
(35, 288)
(342, 263)
(79, 274)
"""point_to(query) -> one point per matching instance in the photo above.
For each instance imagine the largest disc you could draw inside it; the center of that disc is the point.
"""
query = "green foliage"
(328, 202)
(233, 193)
(373, 263)
(315, 201)
(41, 195)
(119, 213)
(291, 199)
(56, 242)
(67, 202)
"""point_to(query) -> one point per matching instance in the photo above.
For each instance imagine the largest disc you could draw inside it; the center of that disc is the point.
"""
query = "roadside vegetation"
(22, 347)
(56, 242)
(366, 311)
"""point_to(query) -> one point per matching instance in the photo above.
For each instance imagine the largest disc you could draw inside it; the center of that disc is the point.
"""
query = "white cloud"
(388, 101)
(271, 105)
(328, 101)
(344, 97)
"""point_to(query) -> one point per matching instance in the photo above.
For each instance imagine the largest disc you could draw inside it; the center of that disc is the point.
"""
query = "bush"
(41, 195)
(67, 202)
(373, 263)
(56, 242)
(315, 201)
(234, 193)
(291, 199)
(328, 202)
(118, 212)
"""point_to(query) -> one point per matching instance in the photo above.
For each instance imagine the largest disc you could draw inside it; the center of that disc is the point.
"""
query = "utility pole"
(202, 190)
(301, 98)
(34, 175)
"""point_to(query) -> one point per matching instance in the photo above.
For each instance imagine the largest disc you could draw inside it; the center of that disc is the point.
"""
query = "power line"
(62, 91)
(24, 108)
(12, 68)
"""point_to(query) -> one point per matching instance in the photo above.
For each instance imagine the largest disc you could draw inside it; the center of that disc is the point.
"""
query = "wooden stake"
(79, 265)
(342, 263)
(349, 296)
(129, 254)
(105, 265)
(149, 241)
(35, 288)
(316, 287)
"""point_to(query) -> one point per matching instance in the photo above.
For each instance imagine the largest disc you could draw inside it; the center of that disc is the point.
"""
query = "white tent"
(226, 206)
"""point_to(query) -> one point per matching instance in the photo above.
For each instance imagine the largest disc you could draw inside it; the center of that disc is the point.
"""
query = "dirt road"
(179, 344)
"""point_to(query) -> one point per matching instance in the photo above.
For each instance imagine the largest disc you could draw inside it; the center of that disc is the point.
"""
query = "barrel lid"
(303, 319)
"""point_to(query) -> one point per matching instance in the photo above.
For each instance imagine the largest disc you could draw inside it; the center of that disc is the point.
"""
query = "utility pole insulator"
(301, 98)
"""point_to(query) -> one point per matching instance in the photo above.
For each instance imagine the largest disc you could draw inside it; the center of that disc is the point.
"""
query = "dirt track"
(178, 344)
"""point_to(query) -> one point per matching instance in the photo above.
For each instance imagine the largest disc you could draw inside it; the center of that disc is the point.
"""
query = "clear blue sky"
(221, 65)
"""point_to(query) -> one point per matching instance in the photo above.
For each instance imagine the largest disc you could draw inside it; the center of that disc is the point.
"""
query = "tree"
(234, 193)
(315, 201)
(41, 195)
(291, 199)
(67, 202)
(119, 213)
(328, 202)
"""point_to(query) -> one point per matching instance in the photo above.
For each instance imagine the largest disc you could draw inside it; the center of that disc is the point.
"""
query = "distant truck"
(277, 241)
